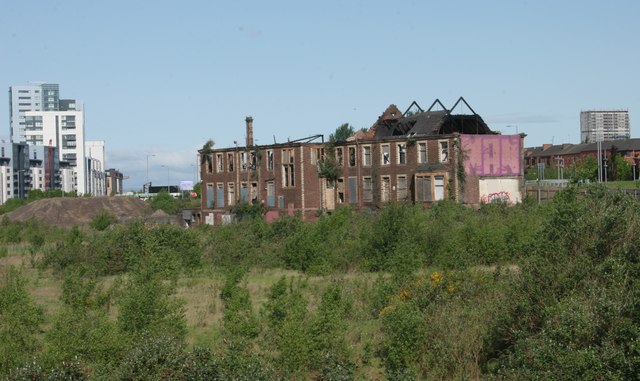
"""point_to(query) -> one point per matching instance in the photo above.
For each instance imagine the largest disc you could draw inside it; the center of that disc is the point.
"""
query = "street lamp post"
(512, 126)
(168, 178)
(148, 156)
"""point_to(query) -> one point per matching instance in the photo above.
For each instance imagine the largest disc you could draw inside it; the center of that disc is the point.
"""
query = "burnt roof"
(427, 123)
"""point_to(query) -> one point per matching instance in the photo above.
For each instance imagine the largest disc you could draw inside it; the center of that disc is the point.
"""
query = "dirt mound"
(69, 211)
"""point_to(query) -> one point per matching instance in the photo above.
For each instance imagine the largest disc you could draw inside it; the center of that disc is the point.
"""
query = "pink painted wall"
(492, 155)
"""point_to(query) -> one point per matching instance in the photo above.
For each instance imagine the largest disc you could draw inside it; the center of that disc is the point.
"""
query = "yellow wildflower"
(436, 278)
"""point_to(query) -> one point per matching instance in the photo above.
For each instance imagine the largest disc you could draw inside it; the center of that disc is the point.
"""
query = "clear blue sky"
(161, 77)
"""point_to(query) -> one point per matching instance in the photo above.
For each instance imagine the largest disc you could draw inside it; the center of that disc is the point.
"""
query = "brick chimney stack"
(249, 121)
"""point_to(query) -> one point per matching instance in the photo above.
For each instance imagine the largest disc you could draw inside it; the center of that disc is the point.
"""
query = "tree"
(20, 319)
(103, 220)
(586, 169)
(624, 170)
(149, 304)
(164, 201)
(342, 133)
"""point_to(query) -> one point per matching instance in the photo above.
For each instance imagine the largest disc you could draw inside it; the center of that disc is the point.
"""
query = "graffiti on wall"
(496, 197)
(492, 155)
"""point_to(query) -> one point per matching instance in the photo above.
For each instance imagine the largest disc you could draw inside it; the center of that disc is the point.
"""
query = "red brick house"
(421, 156)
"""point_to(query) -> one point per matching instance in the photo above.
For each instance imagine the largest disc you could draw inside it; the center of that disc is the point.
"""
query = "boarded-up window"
(423, 188)
(367, 189)
(430, 188)
(220, 195)
(353, 190)
(401, 194)
(209, 196)
(366, 156)
(231, 192)
(271, 194)
(244, 192)
(422, 152)
(438, 187)
(385, 186)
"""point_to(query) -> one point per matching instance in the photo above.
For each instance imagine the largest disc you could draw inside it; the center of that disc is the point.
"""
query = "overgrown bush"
(20, 320)
(82, 327)
(578, 295)
(103, 220)
(148, 305)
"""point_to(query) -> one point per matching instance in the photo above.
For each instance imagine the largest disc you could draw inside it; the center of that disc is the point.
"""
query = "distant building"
(44, 164)
(40, 97)
(604, 125)
(65, 130)
(39, 118)
(24, 168)
(565, 157)
(114, 182)
(96, 176)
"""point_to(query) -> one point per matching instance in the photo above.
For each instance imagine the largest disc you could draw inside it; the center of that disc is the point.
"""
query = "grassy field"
(459, 322)
(523, 292)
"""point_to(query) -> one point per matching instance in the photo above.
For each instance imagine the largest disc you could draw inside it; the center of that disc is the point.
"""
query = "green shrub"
(165, 202)
(148, 305)
(20, 320)
(103, 220)
(240, 323)
(165, 357)
(287, 318)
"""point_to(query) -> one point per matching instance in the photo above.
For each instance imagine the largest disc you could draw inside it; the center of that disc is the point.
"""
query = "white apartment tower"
(42, 125)
(96, 175)
(37, 97)
(604, 125)
(65, 130)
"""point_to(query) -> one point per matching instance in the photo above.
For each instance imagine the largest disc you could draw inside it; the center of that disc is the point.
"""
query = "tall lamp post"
(168, 178)
(148, 156)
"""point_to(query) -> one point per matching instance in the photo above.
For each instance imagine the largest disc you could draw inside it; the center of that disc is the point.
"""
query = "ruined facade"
(416, 156)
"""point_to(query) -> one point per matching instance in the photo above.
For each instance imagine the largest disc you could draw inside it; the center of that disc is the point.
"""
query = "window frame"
(366, 156)
(401, 153)
(353, 156)
(443, 151)
(367, 189)
(401, 193)
(419, 153)
(385, 161)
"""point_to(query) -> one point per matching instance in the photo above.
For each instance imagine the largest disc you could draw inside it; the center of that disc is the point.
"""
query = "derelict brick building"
(416, 156)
